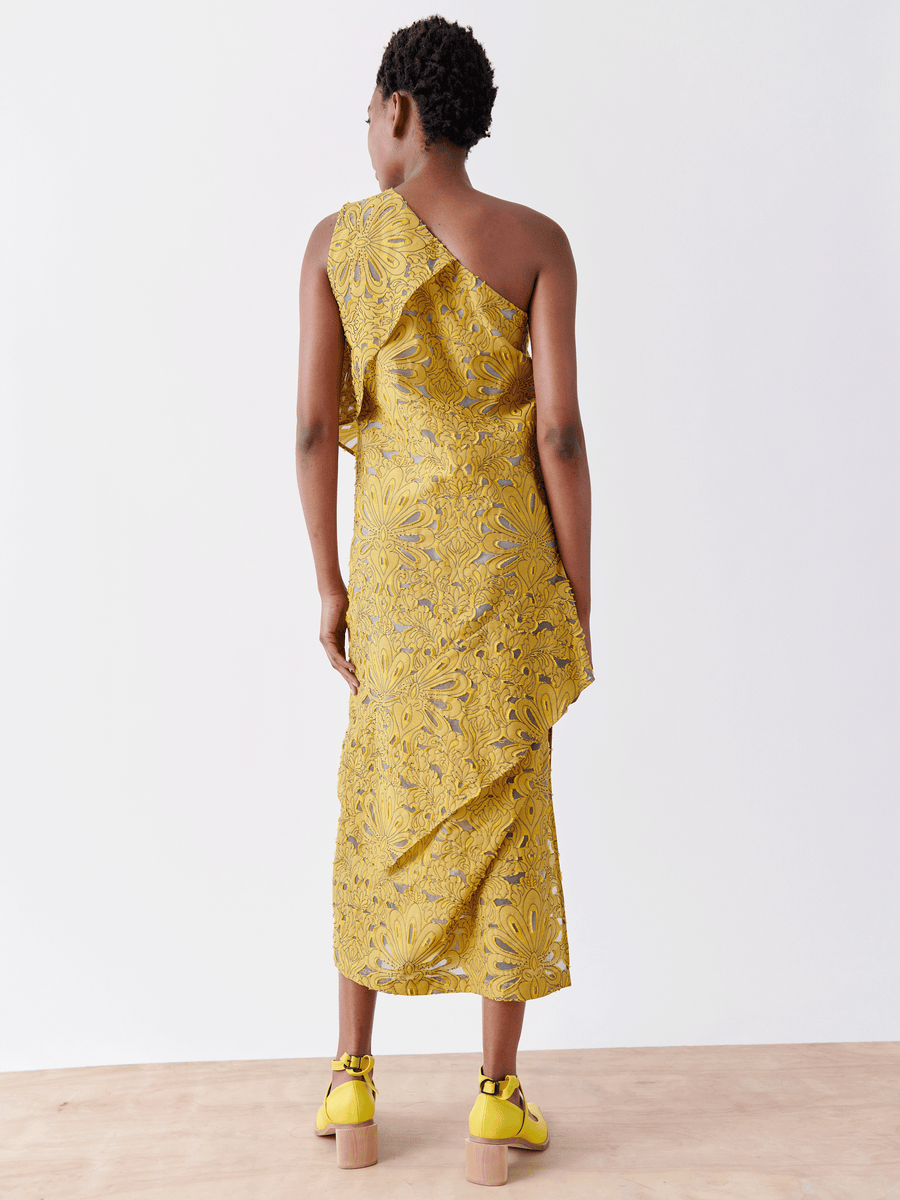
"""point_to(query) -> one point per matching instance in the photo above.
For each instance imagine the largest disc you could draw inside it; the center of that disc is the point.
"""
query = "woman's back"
(499, 241)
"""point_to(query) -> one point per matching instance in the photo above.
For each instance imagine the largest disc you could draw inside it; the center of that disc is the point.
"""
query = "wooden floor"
(684, 1123)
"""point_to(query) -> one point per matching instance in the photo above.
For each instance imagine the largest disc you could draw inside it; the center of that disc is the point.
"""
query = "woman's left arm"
(318, 391)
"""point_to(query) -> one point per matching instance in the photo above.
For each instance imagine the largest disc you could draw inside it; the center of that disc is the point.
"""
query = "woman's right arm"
(560, 437)
(318, 392)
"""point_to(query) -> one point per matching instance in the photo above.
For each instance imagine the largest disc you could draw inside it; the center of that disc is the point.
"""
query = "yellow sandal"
(348, 1112)
(495, 1124)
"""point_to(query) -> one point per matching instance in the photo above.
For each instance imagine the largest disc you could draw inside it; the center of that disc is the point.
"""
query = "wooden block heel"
(486, 1164)
(357, 1146)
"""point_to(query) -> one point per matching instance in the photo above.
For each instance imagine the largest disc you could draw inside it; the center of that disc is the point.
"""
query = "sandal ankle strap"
(357, 1066)
(501, 1088)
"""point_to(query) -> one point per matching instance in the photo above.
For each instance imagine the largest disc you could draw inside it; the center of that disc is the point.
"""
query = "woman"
(467, 602)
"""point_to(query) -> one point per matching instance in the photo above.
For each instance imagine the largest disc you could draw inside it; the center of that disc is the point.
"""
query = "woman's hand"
(332, 634)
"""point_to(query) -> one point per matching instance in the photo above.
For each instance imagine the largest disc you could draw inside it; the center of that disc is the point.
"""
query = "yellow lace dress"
(462, 628)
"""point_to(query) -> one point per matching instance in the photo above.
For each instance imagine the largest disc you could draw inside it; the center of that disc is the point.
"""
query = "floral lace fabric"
(462, 628)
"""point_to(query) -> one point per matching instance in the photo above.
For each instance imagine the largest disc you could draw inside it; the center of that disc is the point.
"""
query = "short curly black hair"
(447, 73)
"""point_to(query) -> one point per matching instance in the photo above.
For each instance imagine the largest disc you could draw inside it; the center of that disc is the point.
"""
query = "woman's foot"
(348, 1111)
(496, 1122)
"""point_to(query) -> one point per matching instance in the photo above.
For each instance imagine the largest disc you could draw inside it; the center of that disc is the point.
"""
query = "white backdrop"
(726, 793)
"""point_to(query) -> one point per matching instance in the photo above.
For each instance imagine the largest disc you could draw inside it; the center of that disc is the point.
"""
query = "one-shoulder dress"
(461, 624)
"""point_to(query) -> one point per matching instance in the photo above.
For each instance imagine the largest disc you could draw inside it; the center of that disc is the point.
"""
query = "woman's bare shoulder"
(527, 226)
(523, 215)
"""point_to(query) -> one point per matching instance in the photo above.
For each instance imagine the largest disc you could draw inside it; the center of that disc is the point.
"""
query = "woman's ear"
(400, 113)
